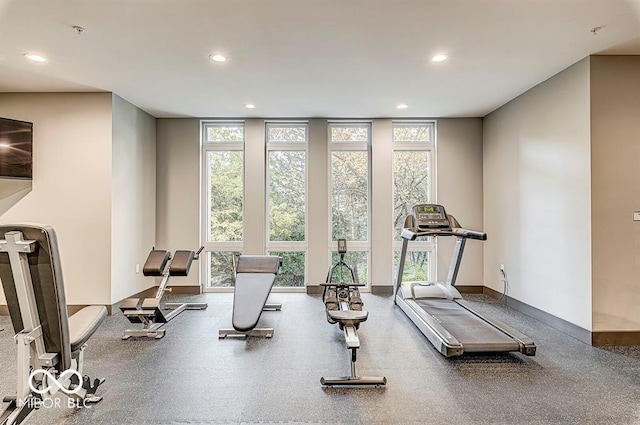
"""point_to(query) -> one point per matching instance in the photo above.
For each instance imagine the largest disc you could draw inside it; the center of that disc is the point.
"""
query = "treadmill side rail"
(527, 346)
(439, 337)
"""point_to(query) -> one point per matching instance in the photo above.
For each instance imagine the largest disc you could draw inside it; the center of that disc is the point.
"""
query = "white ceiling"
(307, 58)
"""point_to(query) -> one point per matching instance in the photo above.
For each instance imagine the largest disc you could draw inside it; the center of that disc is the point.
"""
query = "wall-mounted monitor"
(16, 149)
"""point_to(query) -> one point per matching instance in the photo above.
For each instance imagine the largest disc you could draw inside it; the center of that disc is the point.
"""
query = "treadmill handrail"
(413, 233)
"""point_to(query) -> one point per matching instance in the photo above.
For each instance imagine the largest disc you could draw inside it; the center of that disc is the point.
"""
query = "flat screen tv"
(16, 143)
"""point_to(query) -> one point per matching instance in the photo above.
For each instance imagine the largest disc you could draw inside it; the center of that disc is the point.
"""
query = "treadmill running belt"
(474, 334)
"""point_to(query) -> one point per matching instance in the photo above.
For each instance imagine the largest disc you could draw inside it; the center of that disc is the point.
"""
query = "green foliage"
(357, 260)
(411, 184)
(349, 194)
(416, 266)
(223, 266)
(350, 133)
(287, 195)
(411, 133)
(291, 273)
(226, 171)
(291, 133)
(225, 133)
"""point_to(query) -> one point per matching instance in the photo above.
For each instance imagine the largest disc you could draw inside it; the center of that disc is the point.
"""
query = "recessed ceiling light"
(439, 58)
(249, 106)
(218, 58)
(34, 57)
(402, 106)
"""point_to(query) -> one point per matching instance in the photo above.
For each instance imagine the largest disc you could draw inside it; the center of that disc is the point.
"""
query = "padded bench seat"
(254, 279)
(84, 323)
(348, 317)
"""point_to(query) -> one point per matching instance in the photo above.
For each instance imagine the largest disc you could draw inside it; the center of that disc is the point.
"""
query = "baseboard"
(602, 338)
(315, 289)
(74, 308)
(382, 290)
(186, 289)
(470, 289)
(562, 325)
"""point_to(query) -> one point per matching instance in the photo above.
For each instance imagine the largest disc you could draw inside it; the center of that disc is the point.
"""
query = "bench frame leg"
(258, 332)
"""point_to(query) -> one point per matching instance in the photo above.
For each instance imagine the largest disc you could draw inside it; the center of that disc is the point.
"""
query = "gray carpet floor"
(192, 377)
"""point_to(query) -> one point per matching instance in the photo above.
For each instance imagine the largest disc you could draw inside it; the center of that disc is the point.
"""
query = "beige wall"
(71, 187)
(178, 188)
(615, 159)
(133, 208)
(459, 189)
(537, 196)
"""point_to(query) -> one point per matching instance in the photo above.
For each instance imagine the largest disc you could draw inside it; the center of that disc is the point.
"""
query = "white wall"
(71, 187)
(615, 148)
(537, 196)
(133, 208)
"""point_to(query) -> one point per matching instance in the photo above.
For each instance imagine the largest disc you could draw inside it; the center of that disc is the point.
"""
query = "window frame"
(287, 246)
(205, 210)
(350, 146)
(430, 244)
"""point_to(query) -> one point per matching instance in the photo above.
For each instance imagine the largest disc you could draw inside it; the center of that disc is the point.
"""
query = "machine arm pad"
(181, 263)
(156, 261)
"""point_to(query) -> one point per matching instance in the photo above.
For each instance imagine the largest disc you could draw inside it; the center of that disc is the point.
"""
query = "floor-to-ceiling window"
(223, 183)
(413, 183)
(349, 192)
(255, 196)
(287, 199)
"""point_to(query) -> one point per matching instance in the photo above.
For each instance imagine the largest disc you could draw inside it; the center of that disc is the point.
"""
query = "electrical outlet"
(502, 268)
(137, 268)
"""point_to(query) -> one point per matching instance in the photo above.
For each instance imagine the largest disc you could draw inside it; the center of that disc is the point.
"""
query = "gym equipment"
(437, 308)
(344, 306)
(50, 344)
(148, 311)
(255, 275)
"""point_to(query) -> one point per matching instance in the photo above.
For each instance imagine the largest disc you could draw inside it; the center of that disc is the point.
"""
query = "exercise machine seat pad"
(181, 263)
(156, 261)
(258, 264)
(254, 279)
(249, 297)
(348, 317)
(84, 323)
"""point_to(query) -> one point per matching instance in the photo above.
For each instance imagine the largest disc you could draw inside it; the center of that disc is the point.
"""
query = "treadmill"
(437, 308)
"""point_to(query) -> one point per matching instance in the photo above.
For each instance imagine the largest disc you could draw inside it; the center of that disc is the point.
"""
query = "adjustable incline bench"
(50, 344)
(255, 275)
(149, 312)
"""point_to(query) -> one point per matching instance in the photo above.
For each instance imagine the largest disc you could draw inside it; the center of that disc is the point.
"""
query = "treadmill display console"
(430, 216)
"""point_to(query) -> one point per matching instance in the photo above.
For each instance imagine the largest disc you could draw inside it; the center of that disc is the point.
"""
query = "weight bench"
(148, 311)
(255, 275)
(50, 344)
